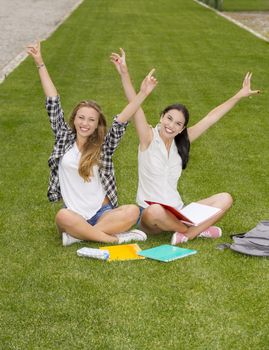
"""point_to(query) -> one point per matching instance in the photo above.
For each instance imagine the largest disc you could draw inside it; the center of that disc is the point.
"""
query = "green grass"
(50, 298)
(246, 5)
(241, 5)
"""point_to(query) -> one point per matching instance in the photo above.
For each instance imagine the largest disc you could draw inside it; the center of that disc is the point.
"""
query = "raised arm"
(53, 104)
(147, 86)
(143, 129)
(217, 113)
(35, 51)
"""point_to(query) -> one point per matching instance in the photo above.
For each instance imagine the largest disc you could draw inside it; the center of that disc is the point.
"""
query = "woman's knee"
(154, 212)
(226, 200)
(130, 212)
(64, 218)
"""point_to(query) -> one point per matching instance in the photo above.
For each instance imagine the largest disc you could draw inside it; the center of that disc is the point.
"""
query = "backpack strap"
(238, 235)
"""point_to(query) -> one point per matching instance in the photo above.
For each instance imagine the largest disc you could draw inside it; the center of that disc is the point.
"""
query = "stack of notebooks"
(164, 253)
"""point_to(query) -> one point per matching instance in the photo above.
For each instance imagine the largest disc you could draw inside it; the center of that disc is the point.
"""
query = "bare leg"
(118, 220)
(156, 219)
(78, 227)
(221, 200)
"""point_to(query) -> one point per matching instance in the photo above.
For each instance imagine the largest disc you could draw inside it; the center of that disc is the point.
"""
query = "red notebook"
(193, 214)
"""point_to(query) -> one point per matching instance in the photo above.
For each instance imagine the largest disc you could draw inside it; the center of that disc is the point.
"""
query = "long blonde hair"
(92, 148)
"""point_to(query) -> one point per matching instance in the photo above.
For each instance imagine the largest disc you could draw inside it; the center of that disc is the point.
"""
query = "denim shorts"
(141, 209)
(93, 220)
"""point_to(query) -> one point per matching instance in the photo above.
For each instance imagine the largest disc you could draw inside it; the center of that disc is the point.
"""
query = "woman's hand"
(217, 113)
(149, 83)
(119, 61)
(46, 81)
(246, 88)
(34, 50)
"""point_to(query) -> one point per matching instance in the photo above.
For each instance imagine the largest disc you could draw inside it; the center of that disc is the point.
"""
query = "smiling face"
(172, 123)
(86, 122)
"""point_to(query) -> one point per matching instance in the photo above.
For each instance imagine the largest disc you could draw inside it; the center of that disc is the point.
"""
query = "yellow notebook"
(123, 252)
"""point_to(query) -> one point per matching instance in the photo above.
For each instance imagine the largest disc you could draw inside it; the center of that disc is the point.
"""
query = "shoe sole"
(140, 234)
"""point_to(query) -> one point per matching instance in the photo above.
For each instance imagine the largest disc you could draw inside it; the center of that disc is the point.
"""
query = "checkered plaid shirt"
(64, 140)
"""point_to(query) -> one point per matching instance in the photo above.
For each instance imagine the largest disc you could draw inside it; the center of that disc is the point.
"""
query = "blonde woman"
(82, 172)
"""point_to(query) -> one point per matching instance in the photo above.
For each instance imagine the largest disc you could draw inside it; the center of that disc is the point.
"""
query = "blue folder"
(166, 253)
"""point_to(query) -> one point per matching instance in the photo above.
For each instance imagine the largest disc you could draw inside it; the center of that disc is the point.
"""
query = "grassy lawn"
(52, 299)
(242, 5)
(246, 5)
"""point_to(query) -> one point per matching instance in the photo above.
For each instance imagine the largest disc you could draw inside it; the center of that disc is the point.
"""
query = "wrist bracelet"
(40, 65)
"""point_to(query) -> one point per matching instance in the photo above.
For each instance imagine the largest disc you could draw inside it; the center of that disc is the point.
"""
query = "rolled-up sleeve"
(55, 113)
(114, 136)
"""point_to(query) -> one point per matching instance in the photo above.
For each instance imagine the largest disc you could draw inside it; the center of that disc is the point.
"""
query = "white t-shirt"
(158, 173)
(84, 198)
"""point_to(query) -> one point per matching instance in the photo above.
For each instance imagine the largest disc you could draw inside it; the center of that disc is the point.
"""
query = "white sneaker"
(68, 239)
(133, 235)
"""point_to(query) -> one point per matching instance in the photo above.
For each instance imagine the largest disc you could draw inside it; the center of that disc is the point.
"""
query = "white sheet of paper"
(199, 213)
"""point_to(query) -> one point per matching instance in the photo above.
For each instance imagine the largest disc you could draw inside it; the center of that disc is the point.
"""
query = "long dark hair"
(182, 140)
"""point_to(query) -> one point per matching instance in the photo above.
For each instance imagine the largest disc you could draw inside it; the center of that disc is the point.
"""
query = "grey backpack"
(254, 242)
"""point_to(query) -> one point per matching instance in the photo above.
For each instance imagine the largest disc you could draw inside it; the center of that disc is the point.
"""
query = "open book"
(193, 214)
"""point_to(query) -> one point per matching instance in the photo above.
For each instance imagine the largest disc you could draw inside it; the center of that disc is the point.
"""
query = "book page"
(199, 213)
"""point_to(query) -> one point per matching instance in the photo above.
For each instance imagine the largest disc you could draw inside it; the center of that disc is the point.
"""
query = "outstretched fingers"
(33, 48)
(122, 53)
(247, 79)
(151, 73)
(149, 83)
(115, 59)
(119, 61)
(247, 84)
(151, 78)
(254, 92)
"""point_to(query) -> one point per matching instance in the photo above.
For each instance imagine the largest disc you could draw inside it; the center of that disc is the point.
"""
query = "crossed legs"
(156, 219)
(109, 224)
